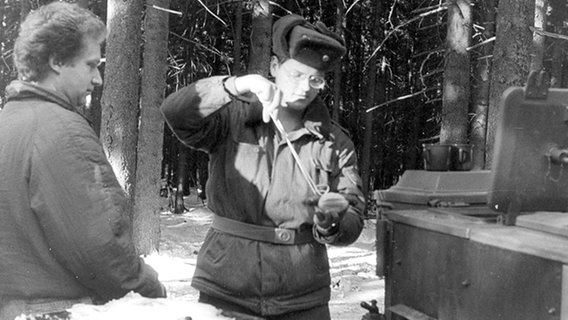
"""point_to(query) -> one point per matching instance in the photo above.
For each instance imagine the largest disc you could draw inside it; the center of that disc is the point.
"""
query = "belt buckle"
(284, 235)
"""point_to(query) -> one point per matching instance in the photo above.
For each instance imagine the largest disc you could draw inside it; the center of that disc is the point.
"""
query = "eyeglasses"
(316, 82)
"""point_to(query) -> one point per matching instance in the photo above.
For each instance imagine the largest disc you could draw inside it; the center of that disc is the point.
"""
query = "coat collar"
(20, 90)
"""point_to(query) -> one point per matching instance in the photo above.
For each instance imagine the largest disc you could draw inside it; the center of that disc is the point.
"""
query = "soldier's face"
(296, 81)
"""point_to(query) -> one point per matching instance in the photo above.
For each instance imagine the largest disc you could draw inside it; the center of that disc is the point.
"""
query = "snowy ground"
(352, 267)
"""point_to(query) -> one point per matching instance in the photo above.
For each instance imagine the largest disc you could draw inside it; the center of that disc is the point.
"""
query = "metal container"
(461, 157)
(436, 157)
(420, 189)
(444, 267)
(447, 157)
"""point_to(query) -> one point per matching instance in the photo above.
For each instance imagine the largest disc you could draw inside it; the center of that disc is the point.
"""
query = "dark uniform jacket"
(253, 178)
(64, 229)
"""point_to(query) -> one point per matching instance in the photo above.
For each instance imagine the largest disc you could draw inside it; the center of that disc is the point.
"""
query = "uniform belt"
(262, 233)
(11, 307)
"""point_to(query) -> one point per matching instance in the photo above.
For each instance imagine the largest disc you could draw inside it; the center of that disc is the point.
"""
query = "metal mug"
(436, 156)
(461, 157)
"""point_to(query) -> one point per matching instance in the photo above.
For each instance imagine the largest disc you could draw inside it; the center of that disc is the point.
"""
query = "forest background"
(417, 72)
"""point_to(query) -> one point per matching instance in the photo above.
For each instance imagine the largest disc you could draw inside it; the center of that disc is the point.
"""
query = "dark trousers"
(242, 313)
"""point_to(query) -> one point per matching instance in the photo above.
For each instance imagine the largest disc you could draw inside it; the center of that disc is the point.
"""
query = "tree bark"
(339, 27)
(537, 56)
(182, 185)
(558, 46)
(455, 98)
(119, 128)
(481, 89)
(238, 38)
(511, 59)
(3, 73)
(366, 157)
(150, 135)
(259, 61)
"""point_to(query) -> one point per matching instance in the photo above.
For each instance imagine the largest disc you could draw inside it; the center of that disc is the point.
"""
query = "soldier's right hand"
(266, 91)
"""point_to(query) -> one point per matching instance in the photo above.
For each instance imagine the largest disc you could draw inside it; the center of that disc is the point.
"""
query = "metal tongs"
(309, 179)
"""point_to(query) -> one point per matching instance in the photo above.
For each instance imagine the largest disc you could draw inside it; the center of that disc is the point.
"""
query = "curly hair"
(55, 30)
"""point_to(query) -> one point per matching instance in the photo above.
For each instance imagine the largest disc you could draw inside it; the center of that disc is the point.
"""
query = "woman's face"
(298, 82)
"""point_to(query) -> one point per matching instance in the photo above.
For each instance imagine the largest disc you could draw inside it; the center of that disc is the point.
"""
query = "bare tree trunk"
(261, 37)
(366, 157)
(559, 46)
(182, 185)
(119, 128)
(238, 38)
(455, 99)
(151, 132)
(537, 55)
(3, 73)
(511, 58)
(481, 89)
(339, 26)
(378, 159)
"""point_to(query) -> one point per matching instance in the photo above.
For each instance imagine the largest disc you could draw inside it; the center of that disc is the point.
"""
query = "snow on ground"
(134, 306)
(172, 268)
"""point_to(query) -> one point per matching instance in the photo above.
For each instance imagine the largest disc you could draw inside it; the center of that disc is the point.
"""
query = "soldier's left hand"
(330, 209)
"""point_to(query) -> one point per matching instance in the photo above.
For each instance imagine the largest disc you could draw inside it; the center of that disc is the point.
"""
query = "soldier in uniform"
(269, 143)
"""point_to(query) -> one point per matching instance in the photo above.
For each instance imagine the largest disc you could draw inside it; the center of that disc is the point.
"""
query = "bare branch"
(490, 56)
(350, 7)
(211, 12)
(541, 32)
(214, 51)
(432, 73)
(428, 53)
(166, 10)
(401, 98)
(272, 3)
(481, 43)
(441, 7)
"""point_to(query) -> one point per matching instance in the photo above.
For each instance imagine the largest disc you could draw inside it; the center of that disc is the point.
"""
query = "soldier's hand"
(330, 209)
(266, 91)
